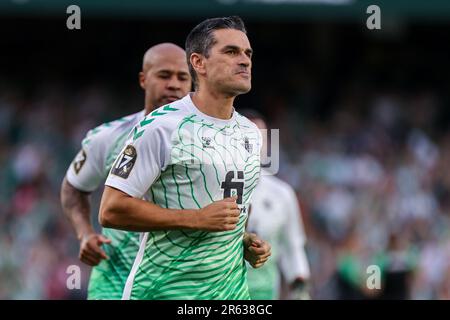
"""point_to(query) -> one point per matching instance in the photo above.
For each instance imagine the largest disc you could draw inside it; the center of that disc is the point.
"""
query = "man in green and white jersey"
(194, 153)
(165, 78)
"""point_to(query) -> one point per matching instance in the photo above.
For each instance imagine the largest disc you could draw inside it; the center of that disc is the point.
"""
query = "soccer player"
(182, 157)
(278, 221)
(165, 78)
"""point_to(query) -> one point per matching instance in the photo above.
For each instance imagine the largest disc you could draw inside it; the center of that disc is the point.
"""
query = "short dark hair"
(201, 39)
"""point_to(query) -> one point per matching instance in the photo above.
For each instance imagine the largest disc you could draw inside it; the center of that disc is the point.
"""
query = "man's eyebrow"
(230, 47)
(233, 47)
(171, 71)
(183, 73)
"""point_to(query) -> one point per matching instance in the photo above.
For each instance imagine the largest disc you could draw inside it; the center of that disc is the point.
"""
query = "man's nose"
(245, 61)
(174, 83)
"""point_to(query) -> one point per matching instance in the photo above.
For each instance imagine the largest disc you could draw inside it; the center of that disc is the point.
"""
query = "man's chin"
(243, 89)
(169, 100)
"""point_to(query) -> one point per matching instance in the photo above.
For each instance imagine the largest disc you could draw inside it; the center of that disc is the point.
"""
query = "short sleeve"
(86, 171)
(139, 164)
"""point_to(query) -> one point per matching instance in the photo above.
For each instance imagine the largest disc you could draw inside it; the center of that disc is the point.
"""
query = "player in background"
(277, 220)
(182, 158)
(164, 78)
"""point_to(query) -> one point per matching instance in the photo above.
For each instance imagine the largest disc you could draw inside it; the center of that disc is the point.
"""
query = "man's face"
(166, 79)
(228, 67)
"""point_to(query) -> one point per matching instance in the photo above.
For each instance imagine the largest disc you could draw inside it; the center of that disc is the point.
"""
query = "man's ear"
(142, 80)
(198, 63)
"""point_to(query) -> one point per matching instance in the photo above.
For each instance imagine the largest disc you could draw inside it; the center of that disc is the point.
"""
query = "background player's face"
(228, 67)
(165, 78)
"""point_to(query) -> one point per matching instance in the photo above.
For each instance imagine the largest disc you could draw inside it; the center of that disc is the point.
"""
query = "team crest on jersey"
(125, 162)
(79, 161)
(247, 145)
(206, 142)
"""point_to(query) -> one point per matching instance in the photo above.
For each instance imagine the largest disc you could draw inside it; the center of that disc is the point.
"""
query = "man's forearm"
(121, 211)
(76, 206)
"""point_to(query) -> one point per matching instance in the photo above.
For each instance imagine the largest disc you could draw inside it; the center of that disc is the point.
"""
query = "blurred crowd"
(39, 136)
(372, 181)
(374, 186)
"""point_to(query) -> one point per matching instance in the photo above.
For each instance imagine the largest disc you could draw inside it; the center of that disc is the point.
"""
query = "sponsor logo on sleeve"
(125, 162)
(79, 161)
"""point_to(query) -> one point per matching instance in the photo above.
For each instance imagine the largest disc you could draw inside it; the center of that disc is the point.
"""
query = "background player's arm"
(83, 176)
(121, 211)
(76, 206)
(293, 260)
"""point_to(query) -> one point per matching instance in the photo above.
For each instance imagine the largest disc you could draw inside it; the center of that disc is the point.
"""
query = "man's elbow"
(66, 192)
(111, 209)
(106, 217)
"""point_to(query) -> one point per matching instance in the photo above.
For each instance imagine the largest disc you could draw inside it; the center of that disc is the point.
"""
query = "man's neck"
(149, 107)
(213, 104)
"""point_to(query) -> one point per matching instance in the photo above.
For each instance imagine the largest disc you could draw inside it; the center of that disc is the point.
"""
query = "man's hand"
(256, 251)
(220, 215)
(91, 252)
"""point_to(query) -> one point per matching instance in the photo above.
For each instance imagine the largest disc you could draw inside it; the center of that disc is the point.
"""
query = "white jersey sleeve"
(293, 259)
(86, 171)
(98, 149)
(144, 156)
